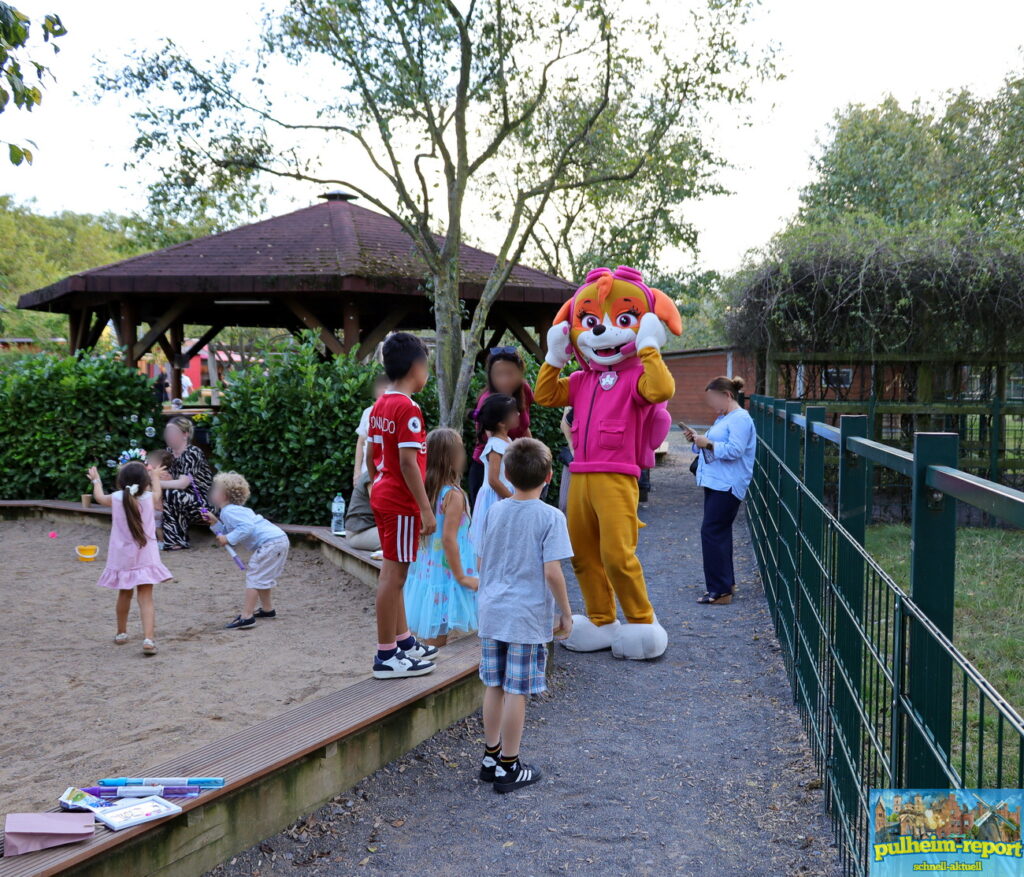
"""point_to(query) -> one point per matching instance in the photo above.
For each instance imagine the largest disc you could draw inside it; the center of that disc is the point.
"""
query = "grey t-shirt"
(514, 603)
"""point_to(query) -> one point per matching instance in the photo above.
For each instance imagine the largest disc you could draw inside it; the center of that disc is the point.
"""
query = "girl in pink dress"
(133, 558)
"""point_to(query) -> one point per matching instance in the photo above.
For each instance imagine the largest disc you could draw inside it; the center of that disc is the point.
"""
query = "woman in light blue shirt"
(725, 465)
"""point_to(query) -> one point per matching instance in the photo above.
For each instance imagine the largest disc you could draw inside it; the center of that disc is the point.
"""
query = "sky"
(833, 53)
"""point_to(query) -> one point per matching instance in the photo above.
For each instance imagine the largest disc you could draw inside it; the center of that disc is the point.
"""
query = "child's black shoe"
(259, 613)
(508, 780)
(240, 622)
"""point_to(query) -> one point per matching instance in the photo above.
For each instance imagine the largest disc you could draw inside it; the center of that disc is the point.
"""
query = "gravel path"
(694, 764)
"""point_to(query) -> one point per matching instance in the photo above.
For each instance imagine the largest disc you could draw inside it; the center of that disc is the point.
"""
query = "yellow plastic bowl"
(87, 553)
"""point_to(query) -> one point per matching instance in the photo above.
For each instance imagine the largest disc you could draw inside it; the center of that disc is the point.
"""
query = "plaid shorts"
(516, 667)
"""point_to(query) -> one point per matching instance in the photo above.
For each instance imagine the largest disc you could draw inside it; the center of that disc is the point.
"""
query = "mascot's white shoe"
(639, 642)
(588, 637)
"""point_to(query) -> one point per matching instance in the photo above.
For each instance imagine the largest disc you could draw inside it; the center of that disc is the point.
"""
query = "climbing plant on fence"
(60, 415)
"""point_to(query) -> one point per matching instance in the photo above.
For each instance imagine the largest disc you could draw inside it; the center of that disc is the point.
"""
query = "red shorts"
(399, 535)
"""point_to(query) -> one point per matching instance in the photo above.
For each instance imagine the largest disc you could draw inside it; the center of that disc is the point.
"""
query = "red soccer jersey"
(395, 422)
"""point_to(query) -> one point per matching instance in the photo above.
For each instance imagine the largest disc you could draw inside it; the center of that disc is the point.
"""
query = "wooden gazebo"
(349, 273)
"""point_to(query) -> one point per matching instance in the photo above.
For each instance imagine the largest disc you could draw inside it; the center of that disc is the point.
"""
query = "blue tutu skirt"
(436, 604)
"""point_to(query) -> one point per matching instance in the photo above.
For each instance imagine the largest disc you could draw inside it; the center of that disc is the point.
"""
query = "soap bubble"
(134, 418)
(111, 463)
(150, 432)
(107, 437)
(149, 420)
(176, 403)
(133, 443)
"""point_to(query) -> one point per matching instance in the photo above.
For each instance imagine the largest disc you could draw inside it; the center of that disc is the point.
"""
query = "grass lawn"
(989, 622)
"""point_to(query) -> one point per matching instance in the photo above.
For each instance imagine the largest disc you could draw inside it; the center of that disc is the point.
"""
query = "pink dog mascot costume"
(615, 325)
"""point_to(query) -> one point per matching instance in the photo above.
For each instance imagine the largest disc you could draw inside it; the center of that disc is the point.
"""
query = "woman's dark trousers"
(720, 508)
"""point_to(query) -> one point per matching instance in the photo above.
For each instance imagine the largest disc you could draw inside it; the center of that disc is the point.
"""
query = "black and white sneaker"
(487, 768)
(241, 623)
(510, 780)
(400, 665)
(422, 652)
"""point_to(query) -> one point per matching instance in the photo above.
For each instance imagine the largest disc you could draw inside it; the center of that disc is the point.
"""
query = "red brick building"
(693, 369)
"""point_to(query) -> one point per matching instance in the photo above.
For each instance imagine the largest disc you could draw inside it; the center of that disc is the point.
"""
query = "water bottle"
(338, 515)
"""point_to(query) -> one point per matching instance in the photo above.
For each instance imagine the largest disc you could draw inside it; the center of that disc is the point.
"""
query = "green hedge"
(60, 415)
(290, 428)
(288, 425)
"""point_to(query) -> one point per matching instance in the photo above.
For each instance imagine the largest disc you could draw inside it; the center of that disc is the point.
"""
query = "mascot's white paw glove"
(639, 642)
(651, 333)
(559, 346)
(588, 637)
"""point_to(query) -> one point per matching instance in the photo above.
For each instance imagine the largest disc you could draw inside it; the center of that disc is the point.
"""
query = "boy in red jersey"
(398, 464)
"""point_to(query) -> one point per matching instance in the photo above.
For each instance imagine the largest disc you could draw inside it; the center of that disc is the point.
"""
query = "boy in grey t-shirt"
(522, 600)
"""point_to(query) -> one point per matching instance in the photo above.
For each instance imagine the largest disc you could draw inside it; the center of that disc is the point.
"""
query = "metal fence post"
(809, 578)
(789, 527)
(929, 672)
(995, 437)
(849, 585)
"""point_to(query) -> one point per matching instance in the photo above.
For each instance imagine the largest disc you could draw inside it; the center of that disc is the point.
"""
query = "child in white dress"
(498, 416)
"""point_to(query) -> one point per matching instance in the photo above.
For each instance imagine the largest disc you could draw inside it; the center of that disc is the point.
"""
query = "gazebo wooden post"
(176, 333)
(350, 325)
(76, 317)
(129, 330)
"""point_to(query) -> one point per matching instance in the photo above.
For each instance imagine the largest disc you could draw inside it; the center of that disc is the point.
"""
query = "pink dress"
(128, 565)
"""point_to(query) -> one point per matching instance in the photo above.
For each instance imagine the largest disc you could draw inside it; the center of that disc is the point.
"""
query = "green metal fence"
(886, 700)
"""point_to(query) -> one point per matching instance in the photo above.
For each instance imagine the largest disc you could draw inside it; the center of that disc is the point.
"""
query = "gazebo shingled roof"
(334, 267)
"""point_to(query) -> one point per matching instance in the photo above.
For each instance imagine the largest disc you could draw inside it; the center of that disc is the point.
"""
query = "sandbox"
(78, 707)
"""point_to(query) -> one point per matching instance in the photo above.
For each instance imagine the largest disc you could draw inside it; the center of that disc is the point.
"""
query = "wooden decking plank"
(294, 734)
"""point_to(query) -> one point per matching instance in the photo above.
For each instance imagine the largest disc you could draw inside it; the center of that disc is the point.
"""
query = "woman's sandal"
(148, 647)
(721, 600)
(121, 639)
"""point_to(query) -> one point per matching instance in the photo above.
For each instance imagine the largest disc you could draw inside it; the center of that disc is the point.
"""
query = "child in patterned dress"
(440, 591)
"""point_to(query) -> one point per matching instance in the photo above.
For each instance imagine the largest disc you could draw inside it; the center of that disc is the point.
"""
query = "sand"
(77, 707)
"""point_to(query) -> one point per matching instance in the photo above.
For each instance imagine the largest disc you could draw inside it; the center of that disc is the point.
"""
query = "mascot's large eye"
(589, 321)
(626, 321)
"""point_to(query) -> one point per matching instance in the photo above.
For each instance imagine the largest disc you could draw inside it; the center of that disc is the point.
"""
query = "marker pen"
(204, 782)
(107, 792)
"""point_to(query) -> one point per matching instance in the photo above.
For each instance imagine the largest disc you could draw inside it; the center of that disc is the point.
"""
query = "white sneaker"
(399, 665)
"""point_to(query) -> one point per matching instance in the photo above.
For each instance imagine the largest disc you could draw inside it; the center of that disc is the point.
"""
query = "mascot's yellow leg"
(603, 529)
(585, 534)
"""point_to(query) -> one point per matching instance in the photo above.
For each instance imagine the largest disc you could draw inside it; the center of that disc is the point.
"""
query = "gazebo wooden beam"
(95, 331)
(379, 332)
(185, 357)
(165, 346)
(160, 327)
(522, 335)
(310, 320)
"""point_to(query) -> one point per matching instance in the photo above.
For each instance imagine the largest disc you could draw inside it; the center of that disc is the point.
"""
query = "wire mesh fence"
(886, 699)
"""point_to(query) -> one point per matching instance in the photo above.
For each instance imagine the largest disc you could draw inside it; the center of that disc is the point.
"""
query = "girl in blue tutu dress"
(440, 591)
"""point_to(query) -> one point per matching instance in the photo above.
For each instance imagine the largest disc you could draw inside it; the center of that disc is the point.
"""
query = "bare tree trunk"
(448, 325)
